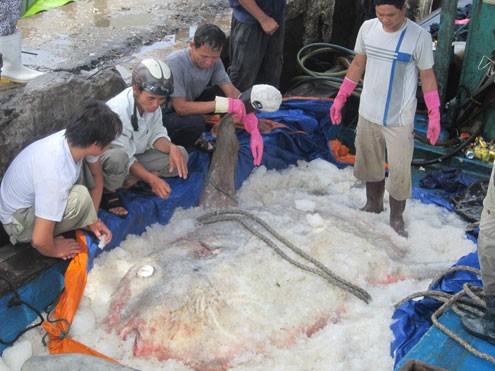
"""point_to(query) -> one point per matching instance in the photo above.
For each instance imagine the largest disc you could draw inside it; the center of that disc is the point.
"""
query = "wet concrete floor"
(86, 35)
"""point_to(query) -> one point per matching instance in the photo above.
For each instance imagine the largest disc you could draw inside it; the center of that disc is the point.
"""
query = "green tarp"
(30, 7)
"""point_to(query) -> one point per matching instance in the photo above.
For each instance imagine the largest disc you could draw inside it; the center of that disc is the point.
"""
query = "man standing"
(39, 197)
(484, 327)
(201, 87)
(11, 44)
(143, 152)
(256, 42)
(392, 49)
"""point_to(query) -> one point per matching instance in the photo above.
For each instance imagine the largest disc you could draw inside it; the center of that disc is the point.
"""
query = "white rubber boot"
(13, 69)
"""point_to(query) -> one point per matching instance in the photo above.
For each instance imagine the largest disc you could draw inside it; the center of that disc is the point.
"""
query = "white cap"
(265, 98)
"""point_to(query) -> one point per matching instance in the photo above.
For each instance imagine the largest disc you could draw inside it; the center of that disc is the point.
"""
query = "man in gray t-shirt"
(201, 87)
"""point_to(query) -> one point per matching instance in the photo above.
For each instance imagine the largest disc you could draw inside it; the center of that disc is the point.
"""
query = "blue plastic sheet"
(305, 137)
(413, 318)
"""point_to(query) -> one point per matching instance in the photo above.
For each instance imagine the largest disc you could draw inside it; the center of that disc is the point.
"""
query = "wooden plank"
(23, 266)
(438, 349)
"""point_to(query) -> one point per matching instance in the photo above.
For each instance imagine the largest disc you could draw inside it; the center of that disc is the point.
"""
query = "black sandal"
(111, 200)
(142, 188)
(205, 145)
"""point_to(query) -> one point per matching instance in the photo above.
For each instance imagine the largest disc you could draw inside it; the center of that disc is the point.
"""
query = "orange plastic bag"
(341, 152)
(63, 315)
(265, 126)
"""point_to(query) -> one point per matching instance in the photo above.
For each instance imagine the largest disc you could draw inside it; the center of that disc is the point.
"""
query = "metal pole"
(444, 52)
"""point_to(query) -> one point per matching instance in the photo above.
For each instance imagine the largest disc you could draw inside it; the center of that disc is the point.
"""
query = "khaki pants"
(486, 239)
(375, 145)
(79, 213)
(115, 165)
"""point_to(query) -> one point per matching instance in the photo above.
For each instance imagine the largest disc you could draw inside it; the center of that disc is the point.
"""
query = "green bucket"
(26, 5)
(30, 7)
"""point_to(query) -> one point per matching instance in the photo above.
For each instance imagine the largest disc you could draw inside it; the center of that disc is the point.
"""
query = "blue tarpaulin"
(305, 136)
(413, 318)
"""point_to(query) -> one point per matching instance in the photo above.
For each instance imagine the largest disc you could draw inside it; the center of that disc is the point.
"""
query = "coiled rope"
(467, 300)
(242, 218)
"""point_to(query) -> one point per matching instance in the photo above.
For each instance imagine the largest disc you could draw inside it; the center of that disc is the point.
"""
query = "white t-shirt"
(393, 61)
(41, 175)
(150, 126)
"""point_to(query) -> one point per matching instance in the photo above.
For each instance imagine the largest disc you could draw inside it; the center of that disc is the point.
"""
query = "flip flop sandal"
(111, 200)
(205, 145)
(142, 188)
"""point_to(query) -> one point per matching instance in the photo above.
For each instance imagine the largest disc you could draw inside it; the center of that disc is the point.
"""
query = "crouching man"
(39, 195)
(143, 154)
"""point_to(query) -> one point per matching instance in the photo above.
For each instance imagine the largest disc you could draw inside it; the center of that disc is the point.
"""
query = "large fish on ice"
(219, 294)
(214, 296)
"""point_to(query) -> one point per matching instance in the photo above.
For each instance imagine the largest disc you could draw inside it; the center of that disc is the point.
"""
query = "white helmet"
(153, 76)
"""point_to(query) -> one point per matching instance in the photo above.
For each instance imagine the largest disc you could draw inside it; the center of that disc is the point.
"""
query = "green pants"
(486, 239)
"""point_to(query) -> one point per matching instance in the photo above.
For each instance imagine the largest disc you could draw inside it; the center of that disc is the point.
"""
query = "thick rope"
(321, 270)
(467, 300)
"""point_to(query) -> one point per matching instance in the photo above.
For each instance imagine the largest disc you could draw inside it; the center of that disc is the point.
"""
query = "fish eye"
(145, 271)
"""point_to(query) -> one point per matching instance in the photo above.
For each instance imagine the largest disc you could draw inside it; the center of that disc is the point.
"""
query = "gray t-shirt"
(190, 80)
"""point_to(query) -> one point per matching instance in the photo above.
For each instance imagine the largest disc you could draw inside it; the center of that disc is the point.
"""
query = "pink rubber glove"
(432, 100)
(345, 91)
(237, 109)
(251, 125)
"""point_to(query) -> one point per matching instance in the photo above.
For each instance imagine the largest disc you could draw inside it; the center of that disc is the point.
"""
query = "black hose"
(331, 81)
(446, 156)
(334, 79)
(321, 48)
(463, 145)
(482, 98)
(16, 300)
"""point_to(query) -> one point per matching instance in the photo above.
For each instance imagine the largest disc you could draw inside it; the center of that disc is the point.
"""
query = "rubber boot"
(482, 327)
(396, 221)
(13, 70)
(374, 197)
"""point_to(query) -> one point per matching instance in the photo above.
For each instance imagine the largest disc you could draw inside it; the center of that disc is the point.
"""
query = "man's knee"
(114, 161)
(79, 198)
(190, 128)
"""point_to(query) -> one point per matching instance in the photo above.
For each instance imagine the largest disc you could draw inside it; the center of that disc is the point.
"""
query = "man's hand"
(233, 106)
(432, 100)
(160, 187)
(237, 108)
(251, 125)
(99, 229)
(433, 125)
(336, 109)
(269, 25)
(177, 161)
(345, 91)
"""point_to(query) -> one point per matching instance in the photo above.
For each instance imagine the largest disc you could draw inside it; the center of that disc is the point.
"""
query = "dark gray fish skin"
(71, 361)
(219, 190)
